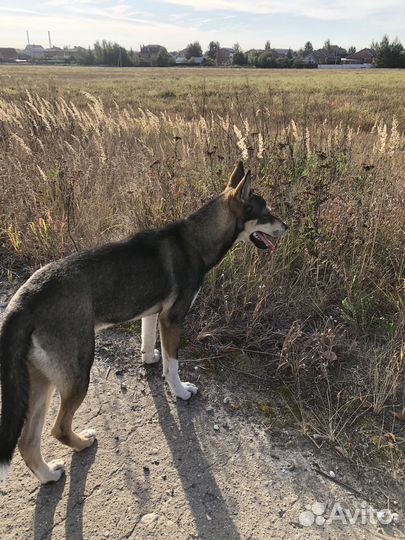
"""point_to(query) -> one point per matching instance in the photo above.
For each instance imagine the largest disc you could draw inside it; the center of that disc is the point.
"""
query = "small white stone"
(227, 400)
(216, 427)
(147, 519)
(332, 474)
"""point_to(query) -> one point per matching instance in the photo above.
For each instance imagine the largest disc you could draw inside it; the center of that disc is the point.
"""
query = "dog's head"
(254, 215)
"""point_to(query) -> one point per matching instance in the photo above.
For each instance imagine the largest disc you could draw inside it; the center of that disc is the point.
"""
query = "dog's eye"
(248, 208)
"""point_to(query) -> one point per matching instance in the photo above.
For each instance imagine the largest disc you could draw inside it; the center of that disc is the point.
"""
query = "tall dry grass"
(74, 174)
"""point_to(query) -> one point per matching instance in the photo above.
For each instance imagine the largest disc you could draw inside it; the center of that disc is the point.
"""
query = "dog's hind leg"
(71, 397)
(150, 355)
(72, 385)
(170, 338)
(41, 391)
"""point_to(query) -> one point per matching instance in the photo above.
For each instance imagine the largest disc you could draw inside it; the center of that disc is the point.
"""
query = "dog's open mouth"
(262, 241)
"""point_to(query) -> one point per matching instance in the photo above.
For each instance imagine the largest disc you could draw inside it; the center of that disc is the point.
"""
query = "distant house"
(52, 51)
(322, 56)
(224, 56)
(51, 55)
(365, 56)
(54, 55)
(310, 59)
(315, 58)
(34, 51)
(149, 53)
(7, 54)
(183, 61)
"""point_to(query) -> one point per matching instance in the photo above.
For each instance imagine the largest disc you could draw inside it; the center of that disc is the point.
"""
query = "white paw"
(151, 358)
(56, 468)
(185, 390)
(89, 434)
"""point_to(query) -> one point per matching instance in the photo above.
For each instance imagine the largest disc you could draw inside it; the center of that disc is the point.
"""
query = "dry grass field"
(90, 155)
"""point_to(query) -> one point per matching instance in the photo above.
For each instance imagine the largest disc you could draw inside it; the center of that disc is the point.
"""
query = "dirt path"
(168, 469)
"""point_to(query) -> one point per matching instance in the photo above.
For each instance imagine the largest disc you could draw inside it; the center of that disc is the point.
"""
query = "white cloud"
(18, 11)
(60, 3)
(314, 9)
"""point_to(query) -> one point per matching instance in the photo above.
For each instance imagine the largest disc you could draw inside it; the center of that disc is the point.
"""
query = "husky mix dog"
(47, 336)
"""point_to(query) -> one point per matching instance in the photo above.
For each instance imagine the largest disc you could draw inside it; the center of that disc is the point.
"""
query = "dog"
(48, 333)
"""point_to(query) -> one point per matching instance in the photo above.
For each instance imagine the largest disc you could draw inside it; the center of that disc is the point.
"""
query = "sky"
(175, 23)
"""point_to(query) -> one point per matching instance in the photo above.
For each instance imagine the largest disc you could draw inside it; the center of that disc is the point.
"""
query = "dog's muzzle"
(263, 241)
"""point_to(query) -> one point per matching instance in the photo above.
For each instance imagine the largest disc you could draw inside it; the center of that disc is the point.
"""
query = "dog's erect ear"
(244, 188)
(236, 176)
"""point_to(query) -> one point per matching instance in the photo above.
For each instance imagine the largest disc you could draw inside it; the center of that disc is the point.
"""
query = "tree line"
(388, 54)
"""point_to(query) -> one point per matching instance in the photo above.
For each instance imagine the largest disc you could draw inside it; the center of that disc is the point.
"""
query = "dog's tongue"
(264, 238)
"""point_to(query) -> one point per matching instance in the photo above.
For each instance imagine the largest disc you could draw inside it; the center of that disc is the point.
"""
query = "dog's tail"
(14, 344)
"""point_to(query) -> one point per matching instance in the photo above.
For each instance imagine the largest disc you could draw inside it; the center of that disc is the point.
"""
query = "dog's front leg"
(170, 339)
(150, 355)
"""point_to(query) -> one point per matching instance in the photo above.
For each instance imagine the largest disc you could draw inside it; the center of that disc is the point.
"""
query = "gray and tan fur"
(47, 337)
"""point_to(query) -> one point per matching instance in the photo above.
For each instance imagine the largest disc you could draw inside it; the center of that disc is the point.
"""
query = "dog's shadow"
(49, 496)
(210, 511)
(209, 508)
